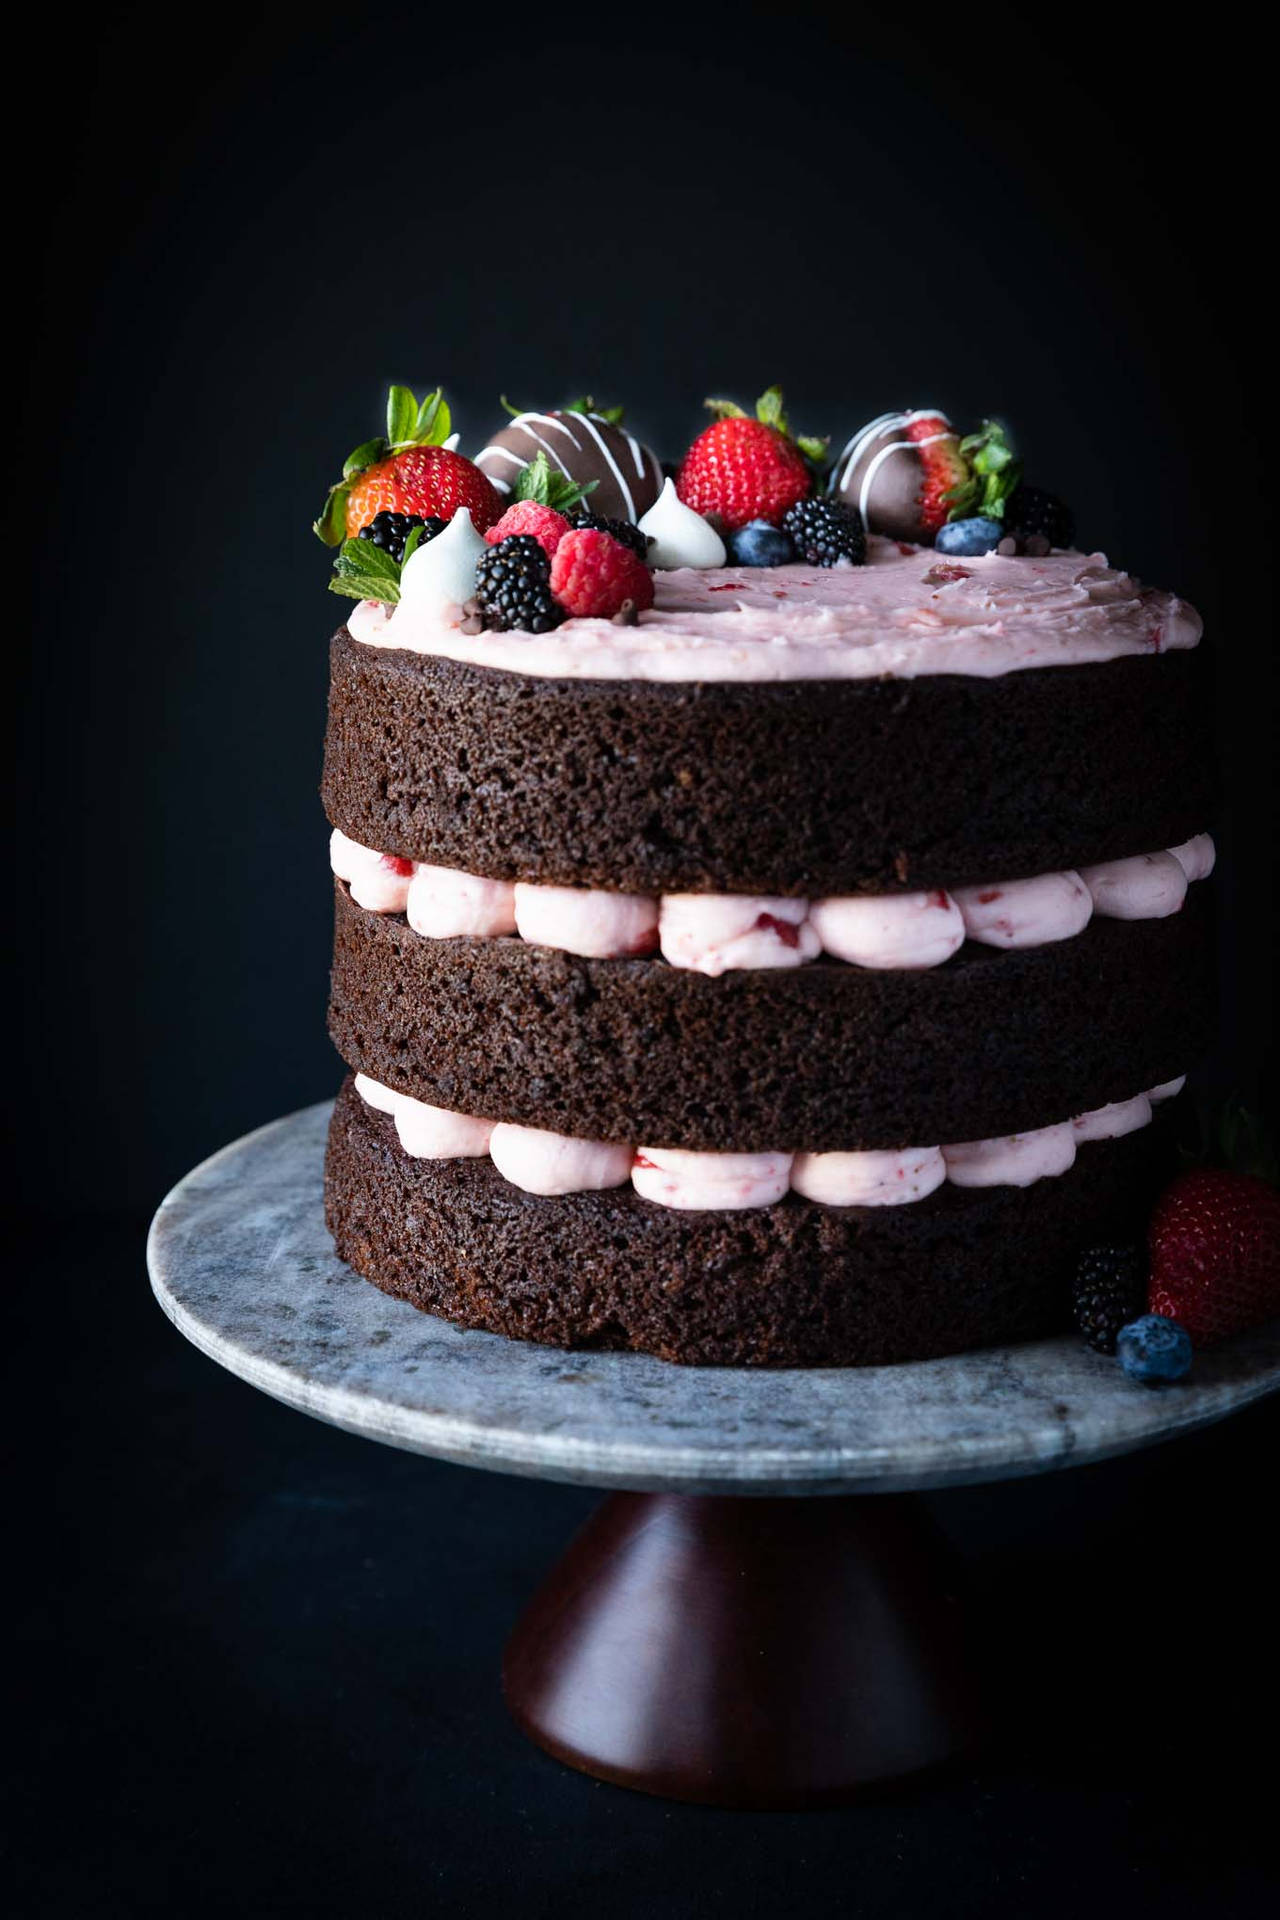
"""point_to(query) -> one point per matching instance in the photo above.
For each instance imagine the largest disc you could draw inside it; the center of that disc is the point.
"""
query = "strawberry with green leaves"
(1214, 1238)
(743, 469)
(408, 470)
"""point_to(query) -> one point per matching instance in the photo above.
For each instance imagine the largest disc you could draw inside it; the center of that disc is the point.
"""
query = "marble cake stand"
(762, 1651)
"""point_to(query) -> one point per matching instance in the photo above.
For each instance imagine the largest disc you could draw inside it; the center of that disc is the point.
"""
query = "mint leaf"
(365, 572)
(411, 545)
(539, 482)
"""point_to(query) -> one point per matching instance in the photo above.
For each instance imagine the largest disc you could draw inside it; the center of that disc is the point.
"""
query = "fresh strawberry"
(1214, 1242)
(546, 525)
(742, 469)
(592, 574)
(408, 470)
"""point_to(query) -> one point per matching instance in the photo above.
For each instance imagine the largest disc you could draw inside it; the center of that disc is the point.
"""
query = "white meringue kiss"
(681, 537)
(904, 930)
(440, 576)
(599, 925)
(713, 932)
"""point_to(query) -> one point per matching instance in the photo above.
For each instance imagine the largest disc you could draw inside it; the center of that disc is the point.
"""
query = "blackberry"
(391, 531)
(513, 587)
(624, 531)
(826, 530)
(1109, 1292)
(1031, 510)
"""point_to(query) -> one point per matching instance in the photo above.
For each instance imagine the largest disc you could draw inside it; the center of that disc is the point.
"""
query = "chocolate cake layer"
(796, 788)
(791, 1285)
(823, 1057)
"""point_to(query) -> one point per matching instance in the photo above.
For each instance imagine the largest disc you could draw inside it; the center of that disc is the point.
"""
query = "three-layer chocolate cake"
(793, 970)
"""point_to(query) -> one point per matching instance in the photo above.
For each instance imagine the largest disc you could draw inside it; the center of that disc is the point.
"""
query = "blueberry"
(760, 545)
(1154, 1350)
(968, 536)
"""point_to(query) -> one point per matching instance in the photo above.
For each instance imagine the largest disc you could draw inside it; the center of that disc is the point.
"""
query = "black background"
(266, 1653)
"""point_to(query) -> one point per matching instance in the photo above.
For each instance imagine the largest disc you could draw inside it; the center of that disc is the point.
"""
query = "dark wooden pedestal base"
(746, 1653)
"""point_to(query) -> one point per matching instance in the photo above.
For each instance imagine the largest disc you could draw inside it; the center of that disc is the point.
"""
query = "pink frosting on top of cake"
(903, 614)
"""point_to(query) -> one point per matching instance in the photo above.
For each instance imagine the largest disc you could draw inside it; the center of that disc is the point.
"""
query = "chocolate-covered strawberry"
(900, 472)
(587, 452)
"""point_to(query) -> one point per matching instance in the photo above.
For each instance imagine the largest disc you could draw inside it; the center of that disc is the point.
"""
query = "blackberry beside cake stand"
(710, 1635)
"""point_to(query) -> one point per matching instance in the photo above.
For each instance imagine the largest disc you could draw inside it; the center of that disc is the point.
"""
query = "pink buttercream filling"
(714, 933)
(1026, 913)
(554, 1163)
(1149, 887)
(899, 615)
(587, 920)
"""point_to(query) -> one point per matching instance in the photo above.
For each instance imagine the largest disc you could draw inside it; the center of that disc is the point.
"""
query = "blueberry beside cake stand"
(709, 1636)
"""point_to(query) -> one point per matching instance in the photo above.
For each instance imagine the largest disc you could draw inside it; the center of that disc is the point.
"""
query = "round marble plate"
(242, 1264)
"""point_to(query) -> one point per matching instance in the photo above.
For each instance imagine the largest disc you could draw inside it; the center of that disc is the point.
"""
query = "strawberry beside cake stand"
(709, 1636)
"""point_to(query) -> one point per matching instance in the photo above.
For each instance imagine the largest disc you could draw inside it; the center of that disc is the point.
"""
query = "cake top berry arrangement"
(566, 550)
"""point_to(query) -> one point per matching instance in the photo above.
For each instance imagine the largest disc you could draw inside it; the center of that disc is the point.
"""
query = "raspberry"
(592, 574)
(544, 524)
(624, 530)
(511, 587)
